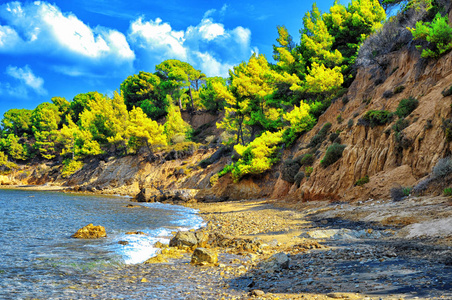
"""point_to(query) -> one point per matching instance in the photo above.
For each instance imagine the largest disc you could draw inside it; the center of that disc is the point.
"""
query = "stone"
(146, 195)
(90, 232)
(135, 232)
(184, 239)
(203, 256)
(275, 262)
(123, 243)
(257, 293)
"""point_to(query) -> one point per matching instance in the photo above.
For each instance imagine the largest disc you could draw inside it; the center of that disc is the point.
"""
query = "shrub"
(350, 123)
(320, 136)
(400, 125)
(447, 128)
(422, 186)
(362, 181)
(345, 100)
(308, 171)
(388, 94)
(334, 136)
(298, 178)
(406, 107)
(333, 154)
(438, 33)
(399, 89)
(70, 167)
(398, 193)
(374, 118)
(339, 119)
(447, 192)
(306, 160)
(442, 168)
(289, 170)
(447, 91)
(428, 124)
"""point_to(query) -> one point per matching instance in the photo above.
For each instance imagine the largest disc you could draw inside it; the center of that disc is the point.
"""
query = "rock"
(90, 232)
(123, 243)
(135, 232)
(146, 195)
(257, 293)
(184, 239)
(203, 256)
(275, 262)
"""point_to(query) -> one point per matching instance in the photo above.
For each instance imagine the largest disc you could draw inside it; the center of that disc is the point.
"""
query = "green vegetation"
(447, 192)
(266, 107)
(406, 107)
(447, 91)
(375, 118)
(362, 181)
(333, 154)
(399, 89)
(437, 33)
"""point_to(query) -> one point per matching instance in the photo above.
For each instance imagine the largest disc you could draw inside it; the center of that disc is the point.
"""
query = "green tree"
(45, 119)
(144, 131)
(438, 33)
(15, 149)
(174, 124)
(209, 97)
(80, 103)
(17, 121)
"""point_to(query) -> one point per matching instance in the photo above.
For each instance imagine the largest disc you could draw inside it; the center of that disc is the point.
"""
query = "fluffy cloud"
(26, 81)
(208, 46)
(41, 28)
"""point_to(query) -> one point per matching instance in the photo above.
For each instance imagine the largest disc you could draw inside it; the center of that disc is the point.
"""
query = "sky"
(67, 47)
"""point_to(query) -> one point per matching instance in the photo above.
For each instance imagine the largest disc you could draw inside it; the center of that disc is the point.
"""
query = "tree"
(174, 124)
(63, 107)
(17, 121)
(45, 119)
(120, 122)
(144, 131)
(177, 75)
(210, 99)
(80, 103)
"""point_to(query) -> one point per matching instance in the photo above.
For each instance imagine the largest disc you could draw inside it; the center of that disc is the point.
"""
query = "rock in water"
(275, 262)
(146, 195)
(203, 256)
(90, 232)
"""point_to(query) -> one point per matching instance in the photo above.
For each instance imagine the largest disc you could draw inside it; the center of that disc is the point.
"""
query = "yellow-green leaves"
(175, 125)
(145, 130)
(321, 79)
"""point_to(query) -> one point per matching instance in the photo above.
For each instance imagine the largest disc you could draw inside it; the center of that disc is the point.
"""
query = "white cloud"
(41, 28)
(208, 46)
(26, 81)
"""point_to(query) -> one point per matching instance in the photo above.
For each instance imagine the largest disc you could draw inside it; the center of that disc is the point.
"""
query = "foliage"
(17, 121)
(209, 97)
(362, 181)
(399, 89)
(70, 166)
(174, 124)
(308, 171)
(400, 125)
(406, 107)
(307, 159)
(333, 154)
(300, 121)
(144, 131)
(5, 163)
(398, 193)
(447, 192)
(15, 149)
(437, 33)
(298, 178)
(447, 91)
(258, 156)
(350, 123)
(289, 170)
(377, 117)
(320, 136)
(442, 168)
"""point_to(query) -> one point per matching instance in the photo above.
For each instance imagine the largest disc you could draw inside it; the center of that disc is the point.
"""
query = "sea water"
(36, 227)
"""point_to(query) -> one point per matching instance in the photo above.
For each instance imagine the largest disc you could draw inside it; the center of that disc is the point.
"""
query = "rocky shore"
(313, 250)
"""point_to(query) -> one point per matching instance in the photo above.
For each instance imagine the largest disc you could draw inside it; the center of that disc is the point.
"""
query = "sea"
(36, 246)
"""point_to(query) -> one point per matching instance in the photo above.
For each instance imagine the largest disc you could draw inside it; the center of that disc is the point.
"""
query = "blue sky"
(66, 47)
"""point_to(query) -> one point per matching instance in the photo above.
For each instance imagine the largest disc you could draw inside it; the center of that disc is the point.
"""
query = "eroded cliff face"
(374, 151)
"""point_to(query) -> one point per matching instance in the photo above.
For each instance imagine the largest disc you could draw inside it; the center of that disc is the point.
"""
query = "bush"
(70, 167)
(442, 168)
(447, 91)
(339, 119)
(447, 192)
(350, 123)
(374, 118)
(333, 154)
(438, 33)
(362, 181)
(447, 128)
(399, 89)
(289, 170)
(398, 193)
(388, 94)
(406, 107)
(320, 136)
(308, 171)
(400, 125)
(306, 160)
(334, 136)
(298, 178)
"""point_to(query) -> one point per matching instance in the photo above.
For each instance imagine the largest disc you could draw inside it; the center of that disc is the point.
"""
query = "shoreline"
(376, 249)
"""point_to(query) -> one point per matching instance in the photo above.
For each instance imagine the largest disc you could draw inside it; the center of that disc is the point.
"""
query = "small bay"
(36, 247)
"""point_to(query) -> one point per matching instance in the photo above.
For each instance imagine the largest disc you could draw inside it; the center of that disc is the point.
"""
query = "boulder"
(146, 195)
(90, 232)
(184, 239)
(276, 262)
(203, 256)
